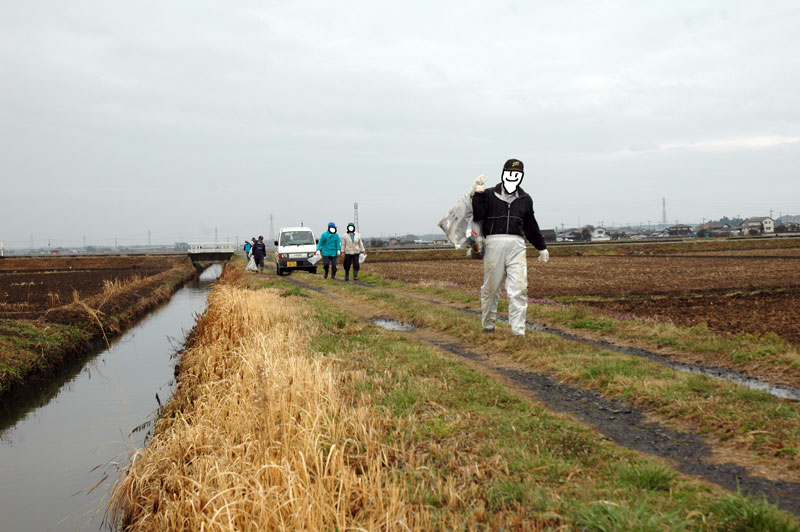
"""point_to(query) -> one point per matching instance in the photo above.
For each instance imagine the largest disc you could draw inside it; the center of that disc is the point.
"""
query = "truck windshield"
(296, 238)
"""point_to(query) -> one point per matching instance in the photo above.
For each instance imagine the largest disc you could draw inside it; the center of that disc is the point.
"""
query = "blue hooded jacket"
(329, 243)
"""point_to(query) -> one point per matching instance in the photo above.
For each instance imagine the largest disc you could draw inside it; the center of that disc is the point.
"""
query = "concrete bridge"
(204, 254)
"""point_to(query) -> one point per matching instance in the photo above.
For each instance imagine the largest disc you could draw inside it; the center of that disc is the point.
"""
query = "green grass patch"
(29, 348)
(293, 291)
(485, 456)
(720, 410)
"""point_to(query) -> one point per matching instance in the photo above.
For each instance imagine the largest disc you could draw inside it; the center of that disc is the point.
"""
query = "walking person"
(506, 212)
(352, 247)
(247, 247)
(259, 252)
(329, 246)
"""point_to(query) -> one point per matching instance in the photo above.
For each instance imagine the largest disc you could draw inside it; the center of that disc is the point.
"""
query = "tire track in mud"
(627, 426)
(623, 424)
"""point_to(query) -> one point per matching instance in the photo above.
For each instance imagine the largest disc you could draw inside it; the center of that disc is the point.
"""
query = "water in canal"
(49, 456)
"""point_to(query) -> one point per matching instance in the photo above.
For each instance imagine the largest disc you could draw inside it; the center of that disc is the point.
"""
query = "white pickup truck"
(295, 245)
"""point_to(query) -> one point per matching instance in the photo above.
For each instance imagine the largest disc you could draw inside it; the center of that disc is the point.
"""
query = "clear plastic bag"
(461, 230)
(251, 265)
(362, 257)
(315, 259)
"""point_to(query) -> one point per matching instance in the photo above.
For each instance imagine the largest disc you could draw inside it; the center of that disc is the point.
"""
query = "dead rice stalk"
(258, 436)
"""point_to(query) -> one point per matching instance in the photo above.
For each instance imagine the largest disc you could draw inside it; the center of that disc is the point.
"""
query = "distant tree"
(781, 229)
(733, 222)
(702, 233)
(754, 232)
(586, 234)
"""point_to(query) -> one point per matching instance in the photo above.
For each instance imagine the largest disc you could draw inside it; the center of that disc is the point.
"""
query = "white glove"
(544, 255)
(477, 185)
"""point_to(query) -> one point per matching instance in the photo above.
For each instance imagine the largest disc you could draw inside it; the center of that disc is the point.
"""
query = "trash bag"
(251, 266)
(461, 230)
(315, 259)
(362, 257)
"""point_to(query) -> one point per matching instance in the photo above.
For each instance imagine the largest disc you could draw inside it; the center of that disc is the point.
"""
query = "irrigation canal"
(53, 454)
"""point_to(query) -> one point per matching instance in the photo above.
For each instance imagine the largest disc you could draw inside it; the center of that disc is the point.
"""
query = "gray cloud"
(184, 116)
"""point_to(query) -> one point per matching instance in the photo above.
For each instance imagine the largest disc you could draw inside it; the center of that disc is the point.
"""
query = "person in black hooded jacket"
(506, 214)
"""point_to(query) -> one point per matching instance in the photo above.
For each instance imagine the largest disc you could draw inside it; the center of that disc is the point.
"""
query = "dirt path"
(625, 425)
(774, 385)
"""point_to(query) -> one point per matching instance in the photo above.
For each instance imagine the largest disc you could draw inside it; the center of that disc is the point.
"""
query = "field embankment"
(293, 412)
(55, 309)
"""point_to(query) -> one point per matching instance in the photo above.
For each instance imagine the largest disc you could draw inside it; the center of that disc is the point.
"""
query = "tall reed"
(258, 436)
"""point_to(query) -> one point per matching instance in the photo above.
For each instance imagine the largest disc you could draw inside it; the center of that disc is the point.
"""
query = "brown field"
(749, 294)
(29, 287)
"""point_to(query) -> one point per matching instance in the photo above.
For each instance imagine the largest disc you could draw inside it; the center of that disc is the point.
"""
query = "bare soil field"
(29, 287)
(749, 294)
(756, 312)
(55, 309)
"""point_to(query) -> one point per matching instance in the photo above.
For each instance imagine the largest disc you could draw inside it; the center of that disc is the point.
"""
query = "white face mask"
(332, 229)
(511, 181)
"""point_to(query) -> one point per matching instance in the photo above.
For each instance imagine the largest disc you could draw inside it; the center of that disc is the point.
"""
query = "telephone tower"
(355, 216)
(664, 210)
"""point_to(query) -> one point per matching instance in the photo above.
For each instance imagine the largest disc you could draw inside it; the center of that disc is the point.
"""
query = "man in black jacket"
(259, 252)
(506, 213)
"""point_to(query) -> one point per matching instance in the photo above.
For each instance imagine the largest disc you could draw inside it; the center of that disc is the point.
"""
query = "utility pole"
(770, 213)
(664, 210)
(148, 237)
(215, 236)
(31, 243)
(271, 229)
(84, 242)
(116, 244)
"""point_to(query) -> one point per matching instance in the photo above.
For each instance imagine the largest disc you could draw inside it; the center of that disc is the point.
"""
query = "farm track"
(732, 294)
(625, 425)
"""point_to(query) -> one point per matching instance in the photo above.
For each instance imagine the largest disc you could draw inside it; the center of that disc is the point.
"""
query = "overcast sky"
(179, 117)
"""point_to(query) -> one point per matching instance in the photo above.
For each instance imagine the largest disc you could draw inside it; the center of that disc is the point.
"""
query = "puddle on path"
(393, 325)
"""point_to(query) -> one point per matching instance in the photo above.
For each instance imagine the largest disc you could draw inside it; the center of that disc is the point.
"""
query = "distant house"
(680, 230)
(762, 225)
(714, 230)
(549, 235)
(600, 234)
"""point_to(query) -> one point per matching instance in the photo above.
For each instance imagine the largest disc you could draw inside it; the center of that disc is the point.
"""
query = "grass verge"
(293, 414)
(763, 426)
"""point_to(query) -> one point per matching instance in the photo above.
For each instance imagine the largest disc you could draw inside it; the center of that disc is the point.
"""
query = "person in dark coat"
(259, 252)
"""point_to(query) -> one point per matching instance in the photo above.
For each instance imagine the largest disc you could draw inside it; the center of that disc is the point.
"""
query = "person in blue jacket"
(330, 247)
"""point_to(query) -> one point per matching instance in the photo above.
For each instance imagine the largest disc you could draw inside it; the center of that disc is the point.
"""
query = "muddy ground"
(752, 294)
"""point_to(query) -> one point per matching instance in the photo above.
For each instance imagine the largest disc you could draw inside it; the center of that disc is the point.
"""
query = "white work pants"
(504, 255)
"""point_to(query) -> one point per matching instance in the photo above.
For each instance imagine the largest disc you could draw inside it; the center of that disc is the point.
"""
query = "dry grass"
(258, 436)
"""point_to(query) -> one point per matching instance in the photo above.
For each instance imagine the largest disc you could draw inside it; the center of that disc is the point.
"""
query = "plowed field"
(749, 294)
(31, 286)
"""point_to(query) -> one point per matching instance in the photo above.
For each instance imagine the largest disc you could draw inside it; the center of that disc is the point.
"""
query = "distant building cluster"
(755, 226)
